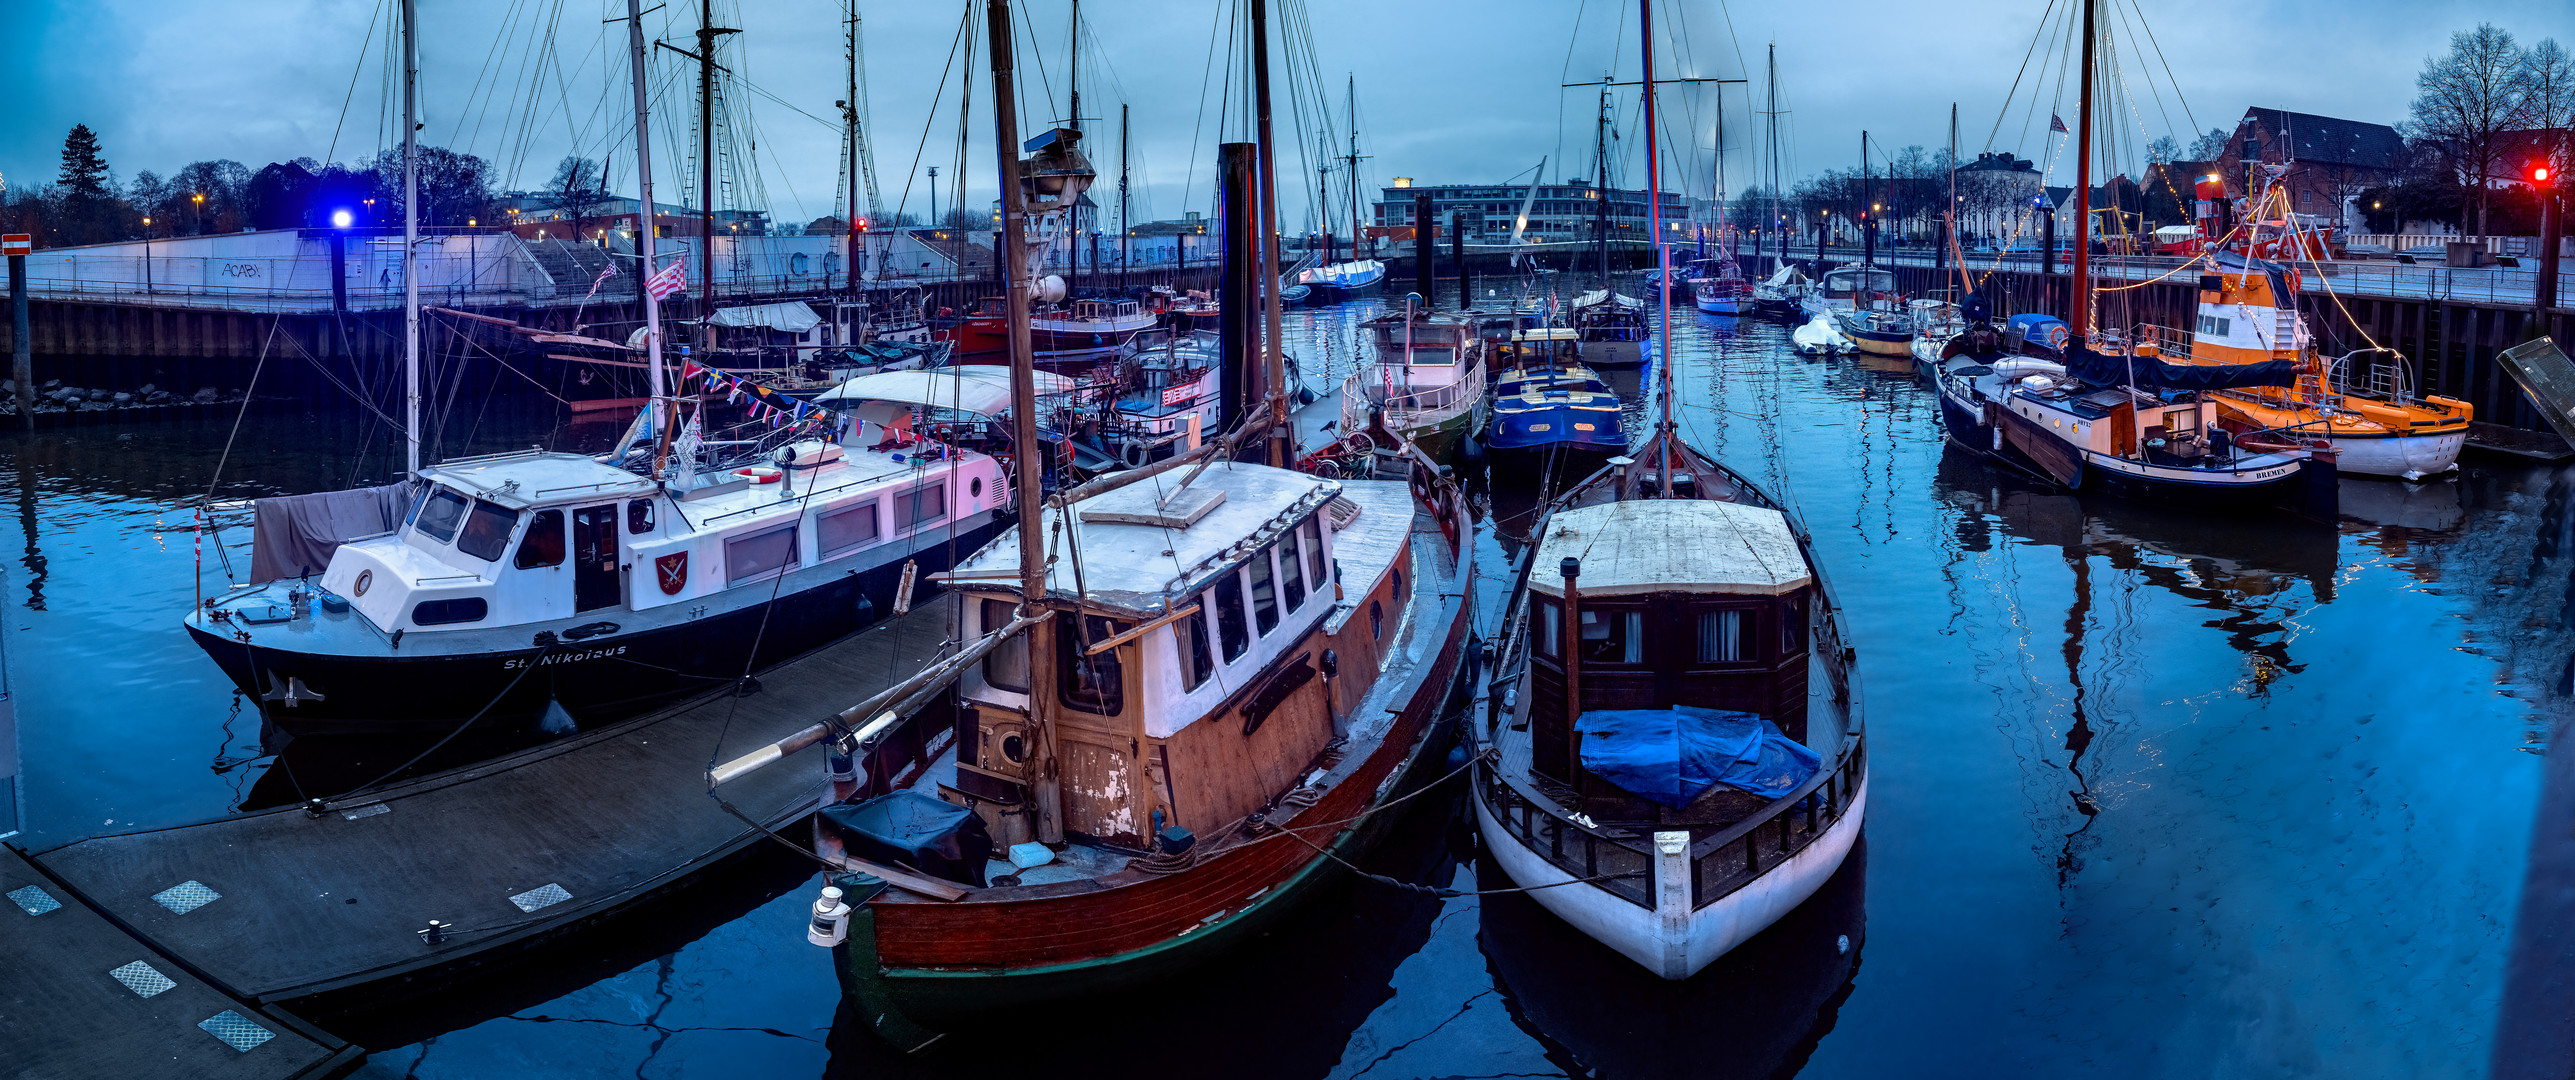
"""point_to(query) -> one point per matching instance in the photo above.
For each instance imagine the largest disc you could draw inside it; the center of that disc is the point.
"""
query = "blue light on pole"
(340, 219)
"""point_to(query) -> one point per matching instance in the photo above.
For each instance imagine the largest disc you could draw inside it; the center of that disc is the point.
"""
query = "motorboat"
(1612, 329)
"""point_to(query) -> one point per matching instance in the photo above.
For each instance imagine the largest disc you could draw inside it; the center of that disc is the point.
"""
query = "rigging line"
(1198, 126)
(508, 18)
(2178, 96)
(2036, 36)
(354, 72)
(2123, 14)
(936, 97)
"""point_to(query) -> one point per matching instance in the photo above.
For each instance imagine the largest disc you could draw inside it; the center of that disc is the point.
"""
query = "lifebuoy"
(759, 474)
(1133, 453)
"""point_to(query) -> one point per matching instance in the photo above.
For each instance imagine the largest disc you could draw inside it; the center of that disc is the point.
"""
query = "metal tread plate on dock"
(80, 997)
(502, 850)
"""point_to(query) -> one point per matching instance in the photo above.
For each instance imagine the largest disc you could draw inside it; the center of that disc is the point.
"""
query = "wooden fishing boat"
(1553, 418)
(1243, 673)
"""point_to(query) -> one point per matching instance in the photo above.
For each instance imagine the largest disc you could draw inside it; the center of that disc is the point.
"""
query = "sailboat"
(1183, 701)
(1721, 289)
(1610, 324)
(1782, 293)
(2117, 416)
(505, 586)
(1354, 277)
(1675, 753)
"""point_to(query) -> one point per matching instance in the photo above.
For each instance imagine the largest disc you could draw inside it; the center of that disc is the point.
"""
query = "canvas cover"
(792, 316)
(1674, 755)
(907, 828)
(293, 536)
(2149, 373)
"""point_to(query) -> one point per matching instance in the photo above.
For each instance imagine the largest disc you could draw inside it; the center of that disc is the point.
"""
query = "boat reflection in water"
(1758, 1011)
(1286, 1003)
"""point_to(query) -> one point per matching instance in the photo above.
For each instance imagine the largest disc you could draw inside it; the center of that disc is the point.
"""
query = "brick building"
(2329, 159)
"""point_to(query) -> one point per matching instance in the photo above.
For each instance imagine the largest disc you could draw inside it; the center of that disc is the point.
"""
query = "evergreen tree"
(84, 171)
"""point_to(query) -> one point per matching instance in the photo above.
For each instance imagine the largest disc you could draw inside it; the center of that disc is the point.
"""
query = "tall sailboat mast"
(1351, 95)
(1280, 451)
(2078, 321)
(662, 415)
(1771, 131)
(410, 240)
(1654, 232)
(707, 32)
(1025, 455)
(1600, 194)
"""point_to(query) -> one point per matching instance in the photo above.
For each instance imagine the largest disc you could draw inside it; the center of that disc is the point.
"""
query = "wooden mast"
(2078, 320)
(1278, 448)
(1027, 458)
(1654, 235)
(707, 32)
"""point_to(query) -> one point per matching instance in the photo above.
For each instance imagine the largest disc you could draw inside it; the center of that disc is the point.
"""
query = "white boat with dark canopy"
(1673, 756)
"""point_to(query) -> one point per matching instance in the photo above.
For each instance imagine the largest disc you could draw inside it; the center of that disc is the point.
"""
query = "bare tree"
(2209, 147)
(579, 190)
(2548, 93)
(2469, 98)
(2164, 149)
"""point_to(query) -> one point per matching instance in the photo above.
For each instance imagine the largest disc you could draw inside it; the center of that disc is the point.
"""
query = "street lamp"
(200, 199)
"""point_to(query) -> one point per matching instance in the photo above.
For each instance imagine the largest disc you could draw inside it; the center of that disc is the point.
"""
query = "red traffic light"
(859, 225)
(2539, 174)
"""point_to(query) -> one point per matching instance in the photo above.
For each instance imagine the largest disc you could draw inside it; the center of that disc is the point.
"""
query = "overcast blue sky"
(1449, 90)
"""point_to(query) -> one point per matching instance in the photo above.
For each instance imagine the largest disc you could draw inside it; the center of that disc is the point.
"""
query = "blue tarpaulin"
(1674, 755)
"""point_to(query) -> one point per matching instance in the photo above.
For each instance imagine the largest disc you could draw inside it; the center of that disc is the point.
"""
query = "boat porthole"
(975, 487)
(1376, 620)
(365, 579)
(1012, 748)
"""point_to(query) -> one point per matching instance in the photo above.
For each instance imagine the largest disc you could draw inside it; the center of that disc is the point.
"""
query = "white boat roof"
(1642, 546)
(1548, 333)
(537, 477)
(791, 316)
(1595, 296)
(1132, 565)
(981, 389)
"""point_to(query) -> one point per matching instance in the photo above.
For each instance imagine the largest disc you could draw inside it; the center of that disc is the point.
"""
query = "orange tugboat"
(2364, 401)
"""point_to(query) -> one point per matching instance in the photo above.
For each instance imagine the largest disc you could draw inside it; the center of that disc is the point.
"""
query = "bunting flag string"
(776, 409)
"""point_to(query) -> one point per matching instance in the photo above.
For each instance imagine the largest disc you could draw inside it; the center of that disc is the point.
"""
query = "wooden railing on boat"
(1732, 859)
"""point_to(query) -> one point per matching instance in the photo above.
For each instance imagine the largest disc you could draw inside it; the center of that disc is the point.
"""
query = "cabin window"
(926, 503)
(767, 551)
(543, 545)
(1725, 636)
(463, 609)
(1197, 660)
(1006, 667)
(639, 515)
(1265, 593)
(487, 531)
(1792, 626)
(1093, 684)
(1376, 620)
(1233, 633)
(1613, 637)
(1292, 568)
(1550, 628)
(418, 499)
(846, 529)
(1312, 535)
(440, 516)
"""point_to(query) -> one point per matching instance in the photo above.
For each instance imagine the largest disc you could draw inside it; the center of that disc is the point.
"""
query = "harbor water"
(2154, 794)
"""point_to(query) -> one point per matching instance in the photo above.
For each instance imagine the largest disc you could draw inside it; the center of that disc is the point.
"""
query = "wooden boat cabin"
(1219, 646)
(1714, 613)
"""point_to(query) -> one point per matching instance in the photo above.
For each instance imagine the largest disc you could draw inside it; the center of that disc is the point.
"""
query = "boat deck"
(79, 997)
(507, 853)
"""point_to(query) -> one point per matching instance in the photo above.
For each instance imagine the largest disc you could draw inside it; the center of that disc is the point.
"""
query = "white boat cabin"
(537, 537)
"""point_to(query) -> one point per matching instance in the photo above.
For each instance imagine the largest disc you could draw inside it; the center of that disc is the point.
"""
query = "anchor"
(292, 694)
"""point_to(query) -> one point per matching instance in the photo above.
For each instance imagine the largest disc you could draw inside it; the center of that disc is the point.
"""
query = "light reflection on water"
(2154, 794)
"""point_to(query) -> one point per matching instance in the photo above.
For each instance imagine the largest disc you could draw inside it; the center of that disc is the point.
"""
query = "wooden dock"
(330, 909)
(78, 997)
